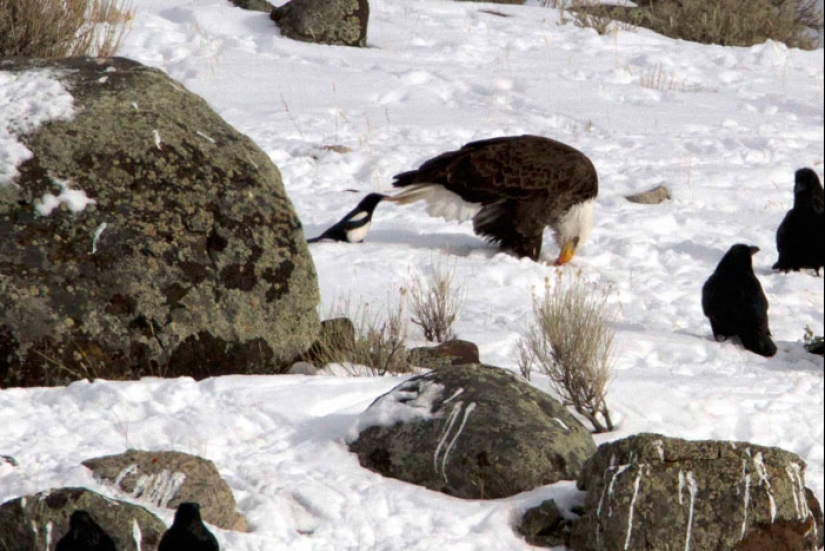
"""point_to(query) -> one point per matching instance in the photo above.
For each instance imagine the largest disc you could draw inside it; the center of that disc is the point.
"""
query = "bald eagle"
(512, 188)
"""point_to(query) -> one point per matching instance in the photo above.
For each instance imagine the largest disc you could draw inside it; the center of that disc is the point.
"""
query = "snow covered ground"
(724, 128)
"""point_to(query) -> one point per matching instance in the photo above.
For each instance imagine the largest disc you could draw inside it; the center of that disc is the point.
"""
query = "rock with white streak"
(39, 521)
(167, 479)
(472, 431)
(651, 492)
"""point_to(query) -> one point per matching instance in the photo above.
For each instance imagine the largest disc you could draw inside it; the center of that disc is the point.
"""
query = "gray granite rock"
(37, 522)
(651, 492)
(167, 479)
(333, 22)
(472, 431)
(191, 261)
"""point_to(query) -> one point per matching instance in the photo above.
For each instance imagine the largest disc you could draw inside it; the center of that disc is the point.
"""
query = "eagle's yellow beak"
(566, 255)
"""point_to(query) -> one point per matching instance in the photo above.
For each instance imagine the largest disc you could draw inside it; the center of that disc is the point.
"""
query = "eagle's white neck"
(576, 222)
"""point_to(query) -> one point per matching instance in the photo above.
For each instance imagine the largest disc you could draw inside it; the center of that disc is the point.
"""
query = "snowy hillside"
(724, 128)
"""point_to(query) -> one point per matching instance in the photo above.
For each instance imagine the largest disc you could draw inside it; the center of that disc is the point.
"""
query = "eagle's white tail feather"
(410, 194)
(441, 203)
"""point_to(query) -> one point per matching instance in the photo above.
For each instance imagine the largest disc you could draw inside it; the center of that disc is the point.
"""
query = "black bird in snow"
(188, 532)
(85, 535)
(800, 238)
(816, 346)
(735, 304)
(353, 227)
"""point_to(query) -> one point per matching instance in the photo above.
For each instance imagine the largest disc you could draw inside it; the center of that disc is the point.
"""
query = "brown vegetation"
(62, 28)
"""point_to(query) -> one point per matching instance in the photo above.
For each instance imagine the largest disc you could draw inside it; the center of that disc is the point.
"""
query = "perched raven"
(735, 304)
(800, 238)
(85, 535)
(353, 227)
(188, 532)
(816, 346)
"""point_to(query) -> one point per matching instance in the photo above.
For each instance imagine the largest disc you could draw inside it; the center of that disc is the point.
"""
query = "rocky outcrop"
(187, 260)
(545, 526)
(453, 352)
(254, 5)
(654, 196)
(39, 521)
(649, 492)
(475, 432)
(334, 22)
(167, 479)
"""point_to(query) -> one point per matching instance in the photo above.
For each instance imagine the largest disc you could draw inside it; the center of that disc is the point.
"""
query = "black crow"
(85, 535)
(188, 532)
(800, 238)
(735, 304)
(816, 346)
(353, 227)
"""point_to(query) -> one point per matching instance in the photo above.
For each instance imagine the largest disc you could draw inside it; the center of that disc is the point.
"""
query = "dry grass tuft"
(570, 341)
(435, 301)
(62, 28)
(797, 23)
(378, 346)
(663, 80)
(587, 14)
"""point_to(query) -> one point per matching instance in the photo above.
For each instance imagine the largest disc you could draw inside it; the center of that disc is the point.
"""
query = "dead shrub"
(661, 79)
(570, 341)
(587, 14)
(62, 28)
(797, 23)
(435, 301)
(378, 346)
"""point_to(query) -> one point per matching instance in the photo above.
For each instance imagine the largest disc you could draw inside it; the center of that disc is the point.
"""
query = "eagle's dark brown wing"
(520, 168)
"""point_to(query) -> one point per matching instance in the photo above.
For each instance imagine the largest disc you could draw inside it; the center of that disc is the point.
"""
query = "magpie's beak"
(567, 254)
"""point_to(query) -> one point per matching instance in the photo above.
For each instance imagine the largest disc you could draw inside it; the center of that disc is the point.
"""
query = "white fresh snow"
(27, 100)
(75, 200)
(410, 402)
(725, 132)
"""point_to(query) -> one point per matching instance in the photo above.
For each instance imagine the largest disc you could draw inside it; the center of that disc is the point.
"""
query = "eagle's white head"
(573, 229)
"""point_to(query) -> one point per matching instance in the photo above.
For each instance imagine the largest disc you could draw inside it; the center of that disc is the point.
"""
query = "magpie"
(188, 532)
(85, 535)
(735, 304)
(800, 238)
(353, 227)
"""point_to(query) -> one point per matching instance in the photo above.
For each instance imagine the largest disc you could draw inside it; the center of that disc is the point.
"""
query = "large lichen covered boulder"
(188, 258)
(649, 492)
(39, 521)
(167, 479)
(471, 431)
(333, 22)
